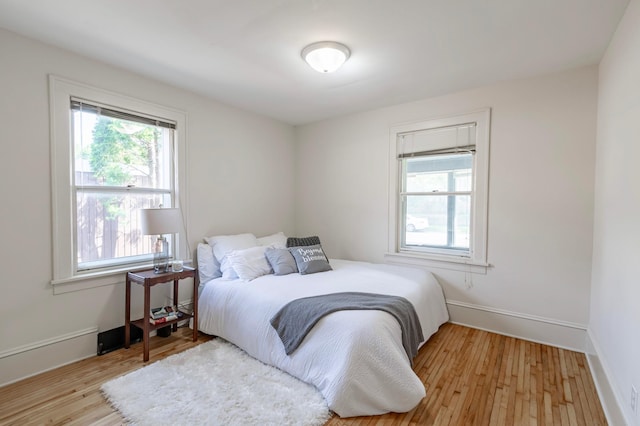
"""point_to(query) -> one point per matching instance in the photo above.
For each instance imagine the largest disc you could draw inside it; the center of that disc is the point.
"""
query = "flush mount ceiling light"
(325, 56)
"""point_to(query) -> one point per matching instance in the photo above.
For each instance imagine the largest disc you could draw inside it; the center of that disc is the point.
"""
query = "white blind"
(441, 140)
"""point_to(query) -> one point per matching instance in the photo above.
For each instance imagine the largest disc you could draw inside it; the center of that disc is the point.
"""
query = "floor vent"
(113, 339)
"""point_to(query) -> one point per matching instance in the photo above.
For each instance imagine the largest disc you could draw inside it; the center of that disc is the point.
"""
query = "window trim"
(61, 90)
(477, 260)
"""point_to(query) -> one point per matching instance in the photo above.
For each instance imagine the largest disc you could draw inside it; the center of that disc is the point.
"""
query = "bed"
(355, 358)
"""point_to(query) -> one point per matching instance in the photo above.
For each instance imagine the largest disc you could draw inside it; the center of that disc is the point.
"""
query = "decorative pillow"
(208, 266)
(249, 263)
(303, 241)
(281, 261)
(310, 259)
(277, 240)
(225, 244)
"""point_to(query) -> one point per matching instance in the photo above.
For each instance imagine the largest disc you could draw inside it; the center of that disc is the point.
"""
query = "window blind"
(458, 139)
(82, 105)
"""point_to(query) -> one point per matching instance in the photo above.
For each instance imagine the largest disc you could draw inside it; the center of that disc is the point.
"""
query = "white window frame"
(65, 276)
(476, 260)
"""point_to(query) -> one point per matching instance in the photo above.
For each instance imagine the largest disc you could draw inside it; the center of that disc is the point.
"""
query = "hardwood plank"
(595, 413)
(472, 377)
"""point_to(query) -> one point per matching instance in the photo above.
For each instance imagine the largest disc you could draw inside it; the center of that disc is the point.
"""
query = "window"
(436, 202)
(111, 156)
(121, 164)
(440, 186)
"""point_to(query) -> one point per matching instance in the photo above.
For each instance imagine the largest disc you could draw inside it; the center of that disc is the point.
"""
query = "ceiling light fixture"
(325, 56)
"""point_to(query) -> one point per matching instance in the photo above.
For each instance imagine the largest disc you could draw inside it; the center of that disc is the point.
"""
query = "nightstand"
(148, 278)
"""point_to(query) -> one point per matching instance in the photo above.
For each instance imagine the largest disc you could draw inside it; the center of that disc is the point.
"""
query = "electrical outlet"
(634, 400)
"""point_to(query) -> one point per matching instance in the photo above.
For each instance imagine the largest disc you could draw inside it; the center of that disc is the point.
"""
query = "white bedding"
(354, 358)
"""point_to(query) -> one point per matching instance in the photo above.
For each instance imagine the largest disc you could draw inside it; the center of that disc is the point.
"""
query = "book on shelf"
(168, 314)
(163, 319)
(165, 311)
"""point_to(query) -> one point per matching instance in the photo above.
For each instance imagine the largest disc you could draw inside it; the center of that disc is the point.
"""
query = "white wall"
(239, 164)
(615, 297)
(540, 200)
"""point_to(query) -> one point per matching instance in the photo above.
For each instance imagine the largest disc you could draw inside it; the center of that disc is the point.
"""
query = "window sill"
(435, 261)
(90, 280)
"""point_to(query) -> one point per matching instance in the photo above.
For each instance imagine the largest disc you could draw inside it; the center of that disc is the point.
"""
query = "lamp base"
(161, 256)
(160, 269)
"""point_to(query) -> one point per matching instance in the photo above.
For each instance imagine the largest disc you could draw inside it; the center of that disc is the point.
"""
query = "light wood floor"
(472, 377)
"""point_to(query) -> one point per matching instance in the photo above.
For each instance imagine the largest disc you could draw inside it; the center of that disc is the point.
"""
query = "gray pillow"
(305, 241)
(310, 259)
(281, 261)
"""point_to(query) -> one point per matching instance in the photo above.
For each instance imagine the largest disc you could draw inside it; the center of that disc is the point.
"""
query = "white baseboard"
(547, 331)
(28, 360)
(609, 395)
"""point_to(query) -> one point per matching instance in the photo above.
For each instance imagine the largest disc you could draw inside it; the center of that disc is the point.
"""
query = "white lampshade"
(160, 221)
(326, 56)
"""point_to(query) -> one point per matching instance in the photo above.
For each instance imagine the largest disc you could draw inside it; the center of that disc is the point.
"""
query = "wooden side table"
(148, 278)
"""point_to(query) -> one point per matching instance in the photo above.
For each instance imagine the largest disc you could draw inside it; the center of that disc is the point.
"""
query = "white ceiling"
(246, 53)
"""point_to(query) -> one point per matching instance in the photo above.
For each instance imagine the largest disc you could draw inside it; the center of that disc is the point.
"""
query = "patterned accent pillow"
(303, 241)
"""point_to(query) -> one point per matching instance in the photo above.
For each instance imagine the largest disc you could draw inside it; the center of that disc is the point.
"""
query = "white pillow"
(277, 240)
(250, 263)
(208, 266)
(223, 245)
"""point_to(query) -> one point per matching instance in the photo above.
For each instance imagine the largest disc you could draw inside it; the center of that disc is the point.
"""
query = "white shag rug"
(215, 383)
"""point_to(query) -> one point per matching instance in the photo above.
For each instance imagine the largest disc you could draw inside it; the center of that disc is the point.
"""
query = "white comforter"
(355, 358)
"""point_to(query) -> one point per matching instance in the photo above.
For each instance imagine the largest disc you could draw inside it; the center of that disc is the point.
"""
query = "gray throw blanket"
(298, 317)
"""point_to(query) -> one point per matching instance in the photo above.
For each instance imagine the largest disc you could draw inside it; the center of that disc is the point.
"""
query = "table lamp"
(160, 222)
